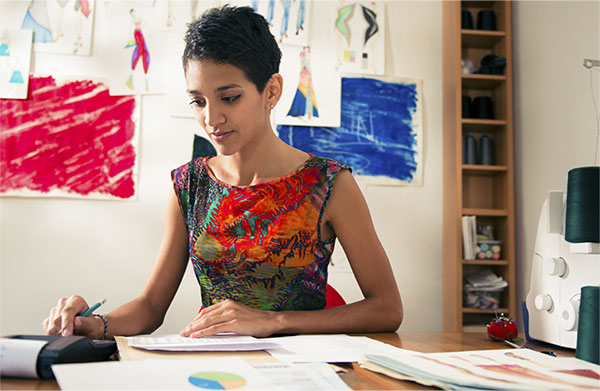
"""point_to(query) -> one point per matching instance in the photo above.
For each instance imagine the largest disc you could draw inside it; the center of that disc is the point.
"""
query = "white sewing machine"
(559, 269)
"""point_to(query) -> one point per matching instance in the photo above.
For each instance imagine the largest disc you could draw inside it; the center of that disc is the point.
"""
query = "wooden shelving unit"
(485, 191)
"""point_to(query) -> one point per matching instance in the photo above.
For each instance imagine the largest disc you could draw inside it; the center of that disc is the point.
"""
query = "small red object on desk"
(502, 328)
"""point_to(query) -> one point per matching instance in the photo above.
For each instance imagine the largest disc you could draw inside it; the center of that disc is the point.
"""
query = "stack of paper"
(514, 369)
(485, 280)
(482, 290)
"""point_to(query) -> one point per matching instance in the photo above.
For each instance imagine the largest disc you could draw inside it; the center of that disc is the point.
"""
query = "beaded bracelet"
(105, 324)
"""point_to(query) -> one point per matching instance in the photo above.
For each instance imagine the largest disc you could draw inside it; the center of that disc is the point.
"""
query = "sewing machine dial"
(544, 302)
(555, 267)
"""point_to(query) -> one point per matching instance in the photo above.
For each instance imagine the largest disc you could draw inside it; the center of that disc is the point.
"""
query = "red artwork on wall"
(69, 139)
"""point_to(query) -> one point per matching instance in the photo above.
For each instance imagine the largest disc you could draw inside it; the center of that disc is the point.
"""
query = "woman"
(259, 220)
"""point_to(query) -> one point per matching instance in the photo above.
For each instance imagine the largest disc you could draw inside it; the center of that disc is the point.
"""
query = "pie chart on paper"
(217, 380)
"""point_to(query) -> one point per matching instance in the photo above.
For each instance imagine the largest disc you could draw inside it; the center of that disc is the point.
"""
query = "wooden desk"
(358, 378)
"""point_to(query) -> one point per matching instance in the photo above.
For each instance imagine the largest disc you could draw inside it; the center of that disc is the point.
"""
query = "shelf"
(485, 262)
(473, 125)
(484, 191)
(482, 122)
(482, 82)
(484, 311)
(484, 212)
(481, 38)
(480, 3)
(481, 169)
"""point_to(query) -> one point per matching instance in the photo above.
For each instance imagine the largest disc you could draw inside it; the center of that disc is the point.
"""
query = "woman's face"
(227, 105)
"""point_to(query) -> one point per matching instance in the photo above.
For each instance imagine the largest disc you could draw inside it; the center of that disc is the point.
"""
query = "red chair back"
(333, 298)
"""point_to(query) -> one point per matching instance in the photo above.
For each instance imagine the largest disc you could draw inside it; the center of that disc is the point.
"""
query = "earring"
(272, 107)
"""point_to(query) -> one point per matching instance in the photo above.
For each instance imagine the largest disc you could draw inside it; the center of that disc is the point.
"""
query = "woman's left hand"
(230, 317)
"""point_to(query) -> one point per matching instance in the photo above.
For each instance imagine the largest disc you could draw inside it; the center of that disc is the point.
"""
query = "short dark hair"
(236, 36)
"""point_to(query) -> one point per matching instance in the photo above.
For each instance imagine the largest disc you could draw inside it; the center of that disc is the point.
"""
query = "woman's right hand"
(63, 319)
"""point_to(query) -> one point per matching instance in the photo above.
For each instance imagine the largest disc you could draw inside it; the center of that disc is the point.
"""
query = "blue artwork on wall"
(380, 135)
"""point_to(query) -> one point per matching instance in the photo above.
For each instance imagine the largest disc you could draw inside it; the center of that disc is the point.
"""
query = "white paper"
(137, 47)
(309, 69)
(159, 374)
(63, 26)
(18, 357)
(360, 32)
(223, 342)
(302, 376)
(329, 348)
(15, 61)
(506, 369)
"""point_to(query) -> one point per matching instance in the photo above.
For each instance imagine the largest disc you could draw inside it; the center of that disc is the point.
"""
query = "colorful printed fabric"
(259, 245)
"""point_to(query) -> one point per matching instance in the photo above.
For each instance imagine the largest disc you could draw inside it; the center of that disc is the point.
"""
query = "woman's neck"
(268, 160)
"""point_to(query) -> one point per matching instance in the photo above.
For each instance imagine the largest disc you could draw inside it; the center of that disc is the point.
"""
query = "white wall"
(555, 119)
(51, 248)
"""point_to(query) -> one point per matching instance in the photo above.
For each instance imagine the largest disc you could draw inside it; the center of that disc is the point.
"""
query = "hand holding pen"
(71, 316)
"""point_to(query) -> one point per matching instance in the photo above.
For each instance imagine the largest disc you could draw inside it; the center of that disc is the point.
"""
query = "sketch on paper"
(140, 50)
(136, 43)
(497, 369)
(360, 30)
(312, 91)
(69, 138)
(380, 135)
(58, 26)
(15, 60)
(305, 101)
(289, 19)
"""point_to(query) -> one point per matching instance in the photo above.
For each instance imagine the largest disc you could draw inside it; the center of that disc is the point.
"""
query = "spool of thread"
(471, 150)
(466, 106)
(582, 220)
(486, 150)
(466, 20)
(588, 341)
(482, 108)
(486, 20)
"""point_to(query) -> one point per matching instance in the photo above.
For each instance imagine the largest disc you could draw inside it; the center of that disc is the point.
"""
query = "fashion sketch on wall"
(15, 60)
(58, 26)
(381, 131)
(136, 45)
(311, 88)
(289, 19)
(360, 31)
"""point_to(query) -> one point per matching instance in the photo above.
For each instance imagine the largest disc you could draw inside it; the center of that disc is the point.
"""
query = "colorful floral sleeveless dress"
(259, 245)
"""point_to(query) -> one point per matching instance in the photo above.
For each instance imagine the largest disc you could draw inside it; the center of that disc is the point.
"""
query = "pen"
(514, 345)
(92, 308)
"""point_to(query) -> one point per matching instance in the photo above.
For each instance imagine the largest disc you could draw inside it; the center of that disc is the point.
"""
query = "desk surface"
(358, 378)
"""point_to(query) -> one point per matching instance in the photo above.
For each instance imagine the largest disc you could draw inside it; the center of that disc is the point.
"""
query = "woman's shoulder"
(192, 168)
(327, 165)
